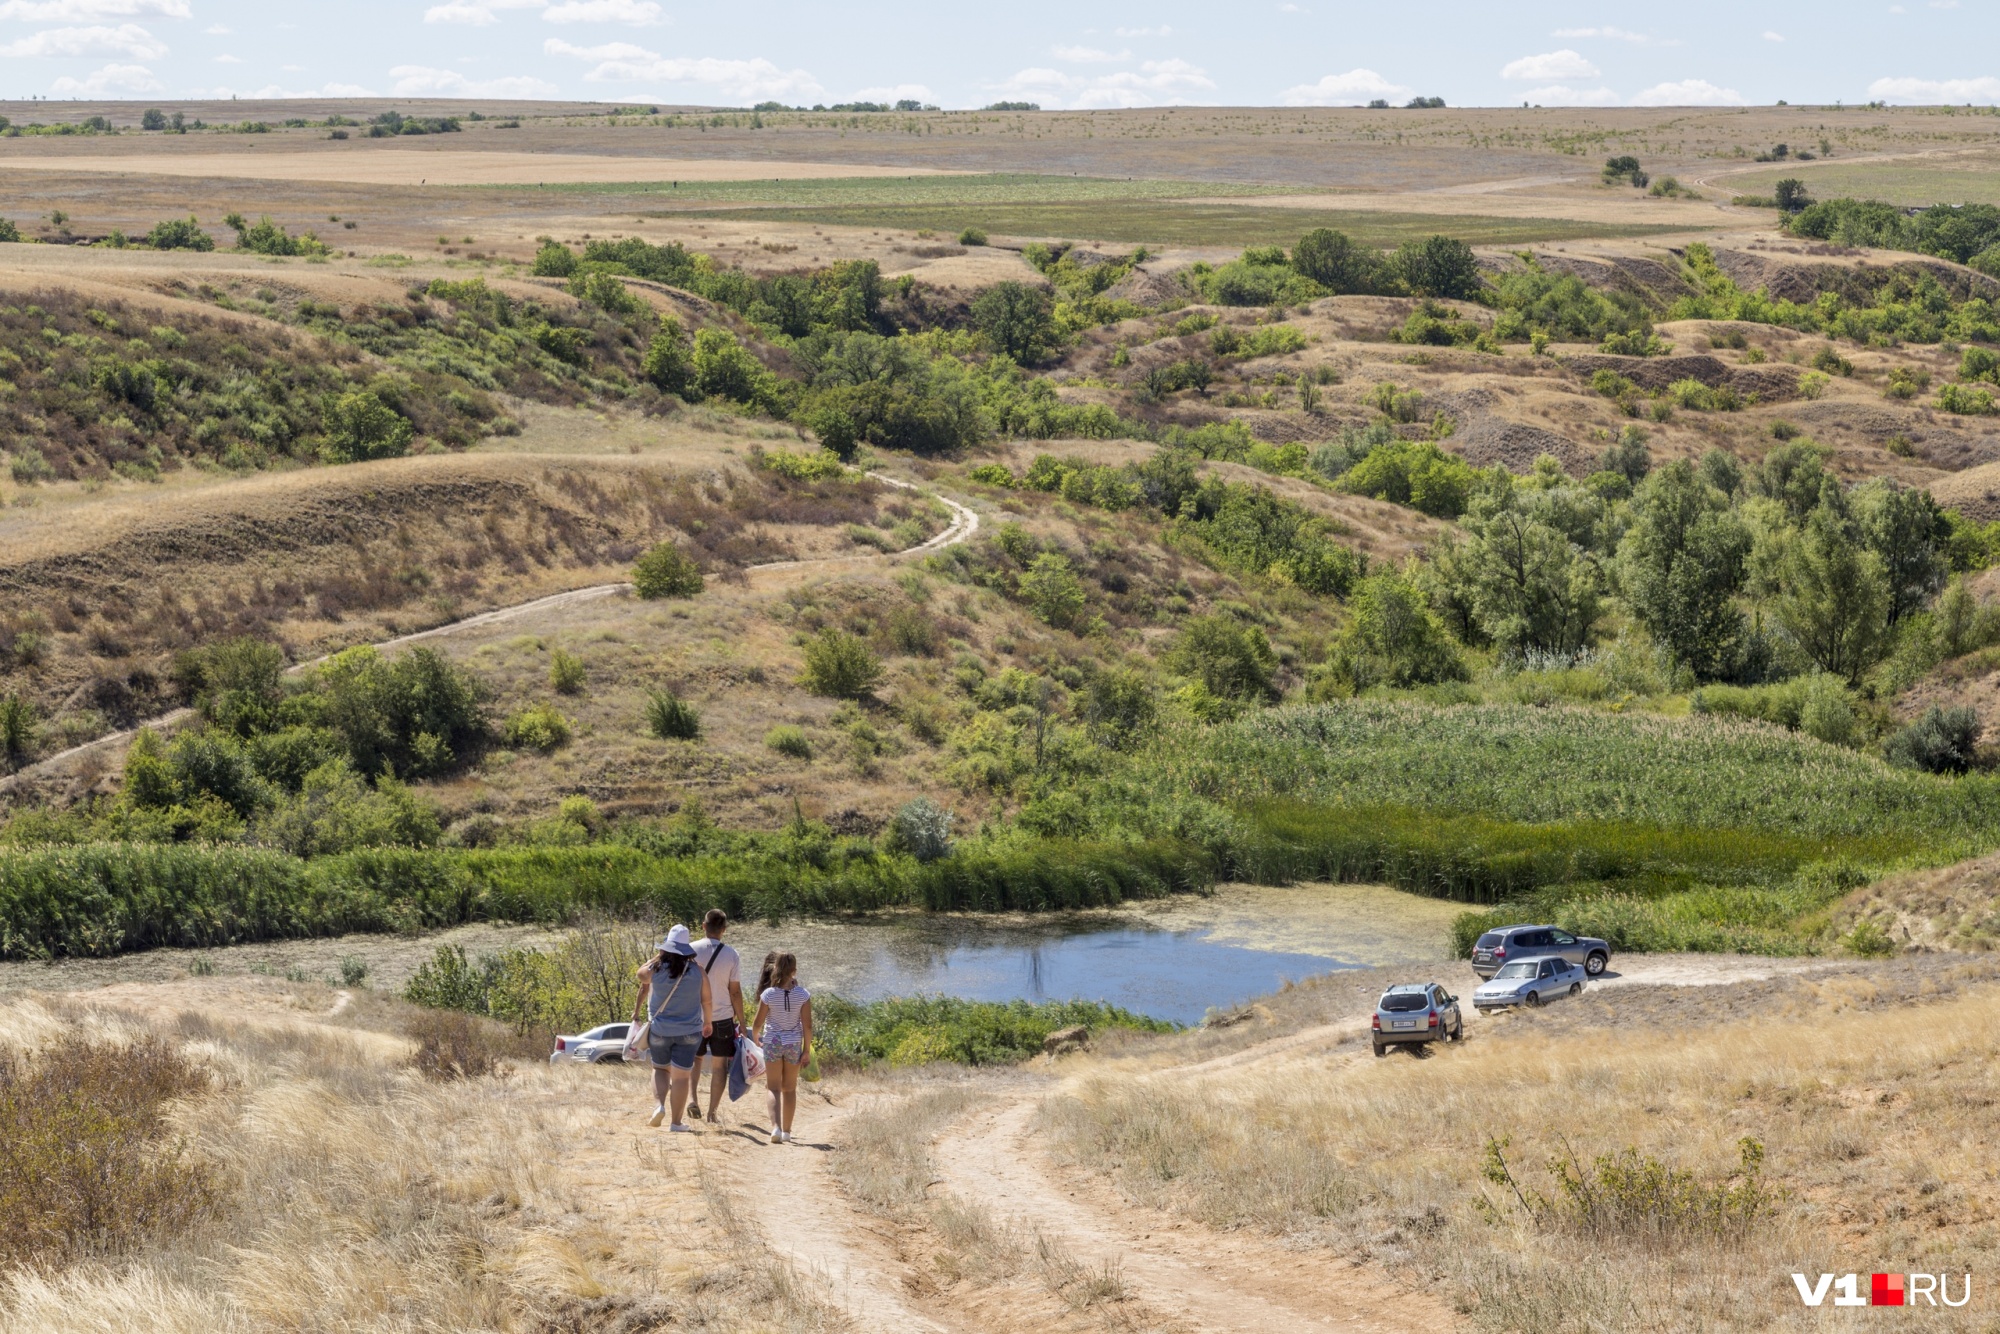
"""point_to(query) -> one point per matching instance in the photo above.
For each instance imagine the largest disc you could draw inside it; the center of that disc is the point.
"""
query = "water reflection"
(1172, 961)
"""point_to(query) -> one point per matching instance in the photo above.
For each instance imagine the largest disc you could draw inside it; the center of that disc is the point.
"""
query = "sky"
(1071, 55)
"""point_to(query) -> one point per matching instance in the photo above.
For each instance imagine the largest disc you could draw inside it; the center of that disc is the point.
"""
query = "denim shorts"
(677, 1051)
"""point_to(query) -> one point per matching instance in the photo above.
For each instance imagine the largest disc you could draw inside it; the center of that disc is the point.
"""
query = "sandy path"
(365, 164)
(1215, 1281)
(964, 523)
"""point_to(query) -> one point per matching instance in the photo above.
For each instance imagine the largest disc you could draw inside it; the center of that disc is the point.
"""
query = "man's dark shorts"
(721, 1040)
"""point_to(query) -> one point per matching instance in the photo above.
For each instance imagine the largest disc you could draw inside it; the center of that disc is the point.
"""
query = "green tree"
(18, 729)
(1335, 262)
(665, 571)
(179, 234)
(723, 368)
(554, 260)
(1682, 565)
(1905, 527)
(1050, 587)
(152, 119)
(1439, 266)
(1791, 196)
(1833, 597)
(668, 367)
(1393, 638)
(1530, 588)
(1793, 473)
(1018, 320)
(1233, 660)
(1628, 455)
(360, 426)
(840, 665)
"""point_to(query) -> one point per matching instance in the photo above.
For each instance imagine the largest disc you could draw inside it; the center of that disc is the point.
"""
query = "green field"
(1913, 184)
(1167, 222)
(958, 188)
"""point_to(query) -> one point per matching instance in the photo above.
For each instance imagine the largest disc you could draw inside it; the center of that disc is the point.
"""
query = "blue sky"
(1252, 52)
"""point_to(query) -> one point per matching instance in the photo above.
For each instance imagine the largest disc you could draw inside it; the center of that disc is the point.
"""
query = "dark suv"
(1519, 942)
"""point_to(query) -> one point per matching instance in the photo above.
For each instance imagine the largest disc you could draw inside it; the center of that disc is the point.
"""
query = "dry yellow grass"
(360, 1197)
(1876, 1111)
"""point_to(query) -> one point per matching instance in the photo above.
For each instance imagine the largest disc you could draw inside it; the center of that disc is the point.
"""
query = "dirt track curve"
(964, 523)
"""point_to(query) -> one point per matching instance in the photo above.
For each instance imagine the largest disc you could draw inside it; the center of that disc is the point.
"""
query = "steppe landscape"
(443, 543)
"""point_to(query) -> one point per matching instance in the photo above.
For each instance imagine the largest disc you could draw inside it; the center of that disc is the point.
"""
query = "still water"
(1172, 960)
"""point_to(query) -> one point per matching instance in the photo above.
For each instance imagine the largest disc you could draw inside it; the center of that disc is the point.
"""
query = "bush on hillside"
(666, 571)
(840, 665)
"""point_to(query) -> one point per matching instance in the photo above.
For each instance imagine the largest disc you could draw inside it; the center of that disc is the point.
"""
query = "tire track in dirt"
(964, 523)
(1217, 1282)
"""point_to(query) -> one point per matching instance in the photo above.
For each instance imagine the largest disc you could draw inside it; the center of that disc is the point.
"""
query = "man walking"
(724, 971)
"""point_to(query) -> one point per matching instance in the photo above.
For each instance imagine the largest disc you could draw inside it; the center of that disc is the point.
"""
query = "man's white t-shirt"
(723, 967)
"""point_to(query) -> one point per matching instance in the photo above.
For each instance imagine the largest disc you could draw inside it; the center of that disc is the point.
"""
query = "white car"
(1529, 981)
(606, 1042)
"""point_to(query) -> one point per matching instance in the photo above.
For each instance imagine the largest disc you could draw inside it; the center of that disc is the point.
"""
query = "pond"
(1173, 959)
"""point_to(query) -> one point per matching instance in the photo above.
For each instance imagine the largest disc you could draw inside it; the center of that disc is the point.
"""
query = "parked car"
(1515, 942)
(606, 1042)
(1416, 1012)
(1530, 981)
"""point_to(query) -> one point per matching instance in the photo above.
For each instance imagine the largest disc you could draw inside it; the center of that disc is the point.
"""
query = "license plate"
(1405, 1023)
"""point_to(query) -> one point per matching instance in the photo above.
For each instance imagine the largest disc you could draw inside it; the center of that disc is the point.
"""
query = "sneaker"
(681, 1129)
(659, 1115)
(777, 1137)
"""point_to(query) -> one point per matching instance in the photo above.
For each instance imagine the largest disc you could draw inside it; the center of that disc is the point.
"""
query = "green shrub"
(972, 236)
(1941, 741)
(923, 829)
(1232, 660)
(992, 474)
(554, 260)
(179, 234)
(361, 426)
(539, 726)
(668, 365)
(789, 739)
(268, 238)
(1967, 400)
(669, 717)
(606, 292)
(10, 232)
(666, 571)
(19, 728)
(839, 665)
(566, 673)
(921, 1030)
(814, 467)
(1051, 589)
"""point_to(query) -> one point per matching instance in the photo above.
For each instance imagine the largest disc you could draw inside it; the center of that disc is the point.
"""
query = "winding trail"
(964, 523)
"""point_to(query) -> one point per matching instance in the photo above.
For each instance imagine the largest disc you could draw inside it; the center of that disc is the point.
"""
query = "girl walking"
(673, 990)
(784, 1026)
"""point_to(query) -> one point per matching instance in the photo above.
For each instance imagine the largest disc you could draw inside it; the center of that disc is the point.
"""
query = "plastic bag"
(637, 1050)
(753, 1057)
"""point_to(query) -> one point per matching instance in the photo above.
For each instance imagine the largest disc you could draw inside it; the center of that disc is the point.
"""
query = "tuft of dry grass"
(90, 1163)
(1877, 1128)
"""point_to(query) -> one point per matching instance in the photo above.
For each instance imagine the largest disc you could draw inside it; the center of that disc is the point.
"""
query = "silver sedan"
(1529, 982)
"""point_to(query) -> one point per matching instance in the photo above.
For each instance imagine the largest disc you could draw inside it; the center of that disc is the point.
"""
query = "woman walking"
(674, 991)
(784, 1025)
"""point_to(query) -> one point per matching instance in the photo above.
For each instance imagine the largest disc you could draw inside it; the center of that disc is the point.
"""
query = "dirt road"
(777, 574)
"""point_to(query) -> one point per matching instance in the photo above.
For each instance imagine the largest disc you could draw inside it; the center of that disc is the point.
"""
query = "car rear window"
(1489, 941)
(1397, 1002)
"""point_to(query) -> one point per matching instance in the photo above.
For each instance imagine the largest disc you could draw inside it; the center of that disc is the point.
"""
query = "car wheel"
(1458, 1031)
(1596, 963)
(1535, 998)
(1576, 988)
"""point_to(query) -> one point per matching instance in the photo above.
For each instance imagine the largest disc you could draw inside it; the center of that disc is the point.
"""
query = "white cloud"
(1897, 9)
(1563, 64)
(1688, 93)
(1616, 35)
(1088, 55)
(127, 39)
(755, 80)
(274, 92)
(1161, 31)
(422, 81)
(110, 79)
(1933, 92)
(73, 11)
(637, 13)
(229, 60)
(1154, 83)
(1559, 95)
(476, 13)
(1774, 37)
(1357, 87)
(915, 92)
(1944, 4)
(1293, 9)
(217, 30)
